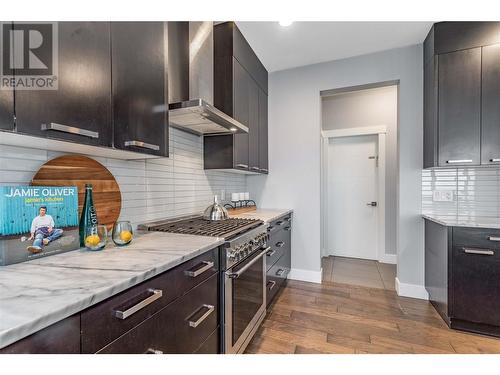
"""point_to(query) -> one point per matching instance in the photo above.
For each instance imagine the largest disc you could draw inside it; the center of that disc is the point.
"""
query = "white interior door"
(352, 187)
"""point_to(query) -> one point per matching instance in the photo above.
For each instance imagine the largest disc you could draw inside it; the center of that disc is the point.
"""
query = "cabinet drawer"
(196, 270)
(277, 249)
(172, 330)
(100, 324)
(211, 345)
(275, 277)
(476, 237)
(196, 316)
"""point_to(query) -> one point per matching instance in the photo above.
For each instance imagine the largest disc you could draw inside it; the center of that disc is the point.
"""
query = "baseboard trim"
(389, 259)
(411, 290)
(305, 275)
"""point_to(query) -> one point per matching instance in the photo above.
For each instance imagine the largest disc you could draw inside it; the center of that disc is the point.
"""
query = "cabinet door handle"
(272, 283)
(270, 253)
(280, 272)
(156, 294)
(264, 170)
(153, 351)
(494, 238)
(459, 161)
(478, 251)
(280, 222)
(69, 129)
(255, 168)
(198, 271)
(280, 244)
(287, 229)
(140, 144)
(196, 323)
(243, 166)
(494, 160)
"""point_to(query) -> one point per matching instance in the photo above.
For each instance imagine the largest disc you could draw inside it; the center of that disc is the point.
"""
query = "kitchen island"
(39, 293)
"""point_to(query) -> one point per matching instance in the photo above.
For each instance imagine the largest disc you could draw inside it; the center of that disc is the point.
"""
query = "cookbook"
(37, 221)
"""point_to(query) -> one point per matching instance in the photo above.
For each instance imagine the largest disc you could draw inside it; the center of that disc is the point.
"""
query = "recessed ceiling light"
(233, 129)
(285, 23)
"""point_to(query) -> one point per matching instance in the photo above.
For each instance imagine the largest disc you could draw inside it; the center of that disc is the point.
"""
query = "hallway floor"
(341, 318)
(369, 273)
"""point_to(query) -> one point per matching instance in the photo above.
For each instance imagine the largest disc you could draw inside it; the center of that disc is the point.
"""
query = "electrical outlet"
(222, 195)
(443, 195)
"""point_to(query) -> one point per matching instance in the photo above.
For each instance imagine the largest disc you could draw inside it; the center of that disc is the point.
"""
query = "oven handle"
(235, 275)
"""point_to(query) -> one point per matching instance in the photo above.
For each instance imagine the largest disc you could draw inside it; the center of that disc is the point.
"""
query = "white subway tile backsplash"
(476, 191)
(151, 189)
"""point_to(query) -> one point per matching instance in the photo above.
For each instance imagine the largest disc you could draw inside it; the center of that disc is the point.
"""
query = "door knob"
(373, 204)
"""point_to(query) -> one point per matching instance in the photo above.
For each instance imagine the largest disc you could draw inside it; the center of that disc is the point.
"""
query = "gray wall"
(294, 150)
(371, 107)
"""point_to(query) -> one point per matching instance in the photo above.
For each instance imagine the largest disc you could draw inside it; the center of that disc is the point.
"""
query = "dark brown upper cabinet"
(6, 100)
(459, 115)
(80, 109)
(139, 87)
(461, 94)
(240, 85)
(490, 105)
(263, 133)
(6, 109)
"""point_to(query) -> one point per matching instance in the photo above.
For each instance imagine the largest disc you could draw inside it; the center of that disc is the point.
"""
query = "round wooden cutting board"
(76, 170)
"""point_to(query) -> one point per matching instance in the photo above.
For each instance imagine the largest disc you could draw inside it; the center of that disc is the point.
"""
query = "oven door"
(245, 301)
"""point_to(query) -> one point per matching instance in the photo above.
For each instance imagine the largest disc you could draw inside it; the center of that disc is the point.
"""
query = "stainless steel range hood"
(191, 81)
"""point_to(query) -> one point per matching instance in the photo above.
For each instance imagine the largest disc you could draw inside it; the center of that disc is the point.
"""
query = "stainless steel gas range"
(243, 276)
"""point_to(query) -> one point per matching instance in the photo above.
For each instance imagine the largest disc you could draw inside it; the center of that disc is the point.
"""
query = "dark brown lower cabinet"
(182, 327)
(462, 269)
(62, 337)
(174, 312)
(278, 260)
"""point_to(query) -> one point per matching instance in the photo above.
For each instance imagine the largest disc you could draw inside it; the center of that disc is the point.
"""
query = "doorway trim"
(381, 132)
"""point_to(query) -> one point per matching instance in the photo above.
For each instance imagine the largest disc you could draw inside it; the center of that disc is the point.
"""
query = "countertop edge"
(454, 222)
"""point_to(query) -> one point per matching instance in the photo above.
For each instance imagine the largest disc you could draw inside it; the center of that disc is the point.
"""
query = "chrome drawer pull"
(273, 283)
(198, 272)
(494, 238)
(210, 309)
(264, 170)
(254, 168)
(280, 272)
(270, 253)
(280, 244)
(478, 251)
(280, 222)
(140, 144)
(157, 293)
(69, 129)
(235, 275)
(153, 351)
(459, 161)
(244, 166)
(287, 229)
(494, 160)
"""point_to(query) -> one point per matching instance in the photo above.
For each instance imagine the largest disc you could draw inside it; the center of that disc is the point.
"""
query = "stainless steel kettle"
(215, 211)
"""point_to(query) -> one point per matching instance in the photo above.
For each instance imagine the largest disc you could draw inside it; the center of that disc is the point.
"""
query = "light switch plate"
(443, 196)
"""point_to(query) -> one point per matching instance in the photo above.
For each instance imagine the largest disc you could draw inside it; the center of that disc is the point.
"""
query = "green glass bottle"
(89, 214)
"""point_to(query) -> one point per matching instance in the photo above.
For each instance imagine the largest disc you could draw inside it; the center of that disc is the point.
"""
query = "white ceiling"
(304, 43)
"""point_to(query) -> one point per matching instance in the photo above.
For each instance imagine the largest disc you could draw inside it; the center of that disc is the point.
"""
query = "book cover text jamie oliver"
(37, 221)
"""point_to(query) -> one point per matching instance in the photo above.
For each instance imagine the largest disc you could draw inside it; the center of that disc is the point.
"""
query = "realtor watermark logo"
(29, 56)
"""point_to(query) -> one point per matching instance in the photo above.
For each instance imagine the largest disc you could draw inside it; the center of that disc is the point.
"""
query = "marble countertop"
(465, 221)
(38, 293)
(264, 214)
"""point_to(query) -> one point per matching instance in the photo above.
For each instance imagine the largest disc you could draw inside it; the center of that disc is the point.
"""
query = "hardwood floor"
(342, 318)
